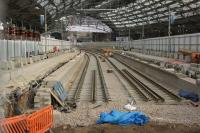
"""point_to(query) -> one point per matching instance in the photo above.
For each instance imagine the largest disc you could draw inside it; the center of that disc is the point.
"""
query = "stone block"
(30, 60)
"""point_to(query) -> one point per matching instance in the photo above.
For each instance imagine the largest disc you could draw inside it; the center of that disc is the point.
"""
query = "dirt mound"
(149, 128)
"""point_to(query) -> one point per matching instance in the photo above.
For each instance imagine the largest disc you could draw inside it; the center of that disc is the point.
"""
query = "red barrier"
(14, 125)
(40, 121)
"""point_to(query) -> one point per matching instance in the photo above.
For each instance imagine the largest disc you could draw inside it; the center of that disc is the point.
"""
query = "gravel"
(86, 114)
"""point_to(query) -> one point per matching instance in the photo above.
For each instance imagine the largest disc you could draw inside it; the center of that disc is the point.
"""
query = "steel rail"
(102, 79)
(93, 86)
(147, 89)
(129, 81)
(119, 71)
(82, 78)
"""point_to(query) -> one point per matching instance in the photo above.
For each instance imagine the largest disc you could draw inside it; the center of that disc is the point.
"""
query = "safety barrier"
(14, 49)
(14, 125)
(38, 122)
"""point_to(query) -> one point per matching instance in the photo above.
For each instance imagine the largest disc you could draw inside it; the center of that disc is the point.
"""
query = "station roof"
(122, 16)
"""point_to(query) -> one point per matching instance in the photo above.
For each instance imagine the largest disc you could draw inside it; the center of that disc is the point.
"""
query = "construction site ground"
(86, 116)
(150, 128)
(174, 118)
(183, 117)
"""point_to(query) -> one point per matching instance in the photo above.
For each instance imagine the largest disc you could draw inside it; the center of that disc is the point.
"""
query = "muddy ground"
(149, 128)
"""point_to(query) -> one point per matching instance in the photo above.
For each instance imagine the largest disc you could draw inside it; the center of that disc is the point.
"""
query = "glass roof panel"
(137, 11)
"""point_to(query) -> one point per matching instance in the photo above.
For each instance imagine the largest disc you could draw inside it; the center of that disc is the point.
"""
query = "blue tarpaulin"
(123, 118)
(189, 95)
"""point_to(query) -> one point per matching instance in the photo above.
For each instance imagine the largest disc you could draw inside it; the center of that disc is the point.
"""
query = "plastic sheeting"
(173, 44)
(189, 95)
(11, 49)
(123, 118)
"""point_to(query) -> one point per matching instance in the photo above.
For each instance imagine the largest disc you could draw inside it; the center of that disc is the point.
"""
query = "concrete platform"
(165, 60)
(65, 73)
(22, 76)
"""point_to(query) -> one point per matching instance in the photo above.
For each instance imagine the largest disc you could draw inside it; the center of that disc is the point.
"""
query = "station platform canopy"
(125, 16)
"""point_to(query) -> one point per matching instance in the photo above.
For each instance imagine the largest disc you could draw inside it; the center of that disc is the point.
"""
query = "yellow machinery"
(195, 56)
(107, 52)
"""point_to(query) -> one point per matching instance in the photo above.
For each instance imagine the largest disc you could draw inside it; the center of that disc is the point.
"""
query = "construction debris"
(109, 71)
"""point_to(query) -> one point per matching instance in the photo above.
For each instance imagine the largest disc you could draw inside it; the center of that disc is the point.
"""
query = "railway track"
(147, 88)
(133, 92)
(146, 91)
(102, 80)
(143, 87)
(130, 95)
(81, 80)
(91, 86)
